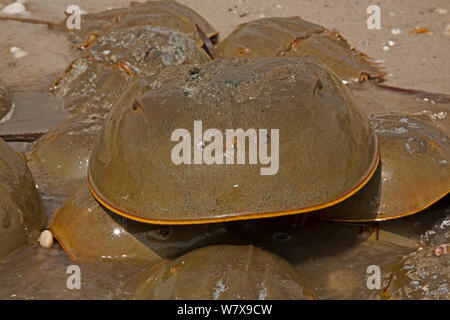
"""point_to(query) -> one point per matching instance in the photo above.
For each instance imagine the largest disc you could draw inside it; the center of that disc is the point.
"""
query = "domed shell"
(414, 172)
(87, 232)
(295, 37)
(167, 14)
(225, 272)
(59, 158)
(326, 149)
(21, 210)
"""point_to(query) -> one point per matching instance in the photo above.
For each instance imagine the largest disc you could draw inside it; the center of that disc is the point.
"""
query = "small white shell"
(46, 239)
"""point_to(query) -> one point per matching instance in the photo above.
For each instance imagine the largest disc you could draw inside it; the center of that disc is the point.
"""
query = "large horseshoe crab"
(317, 168)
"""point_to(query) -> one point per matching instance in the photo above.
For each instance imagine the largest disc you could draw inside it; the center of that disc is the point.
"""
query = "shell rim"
(244, 216)
(397, 216)
(57, 238)
(248, 216)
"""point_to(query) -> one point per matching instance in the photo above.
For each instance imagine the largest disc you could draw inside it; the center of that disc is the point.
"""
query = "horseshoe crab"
(228, 272)
(317, 168)
(21, 209)
(416, 115)
(406, 144)
(139, 40)
(143, 39)
(88, 232)
(295, 37)
(59, 158)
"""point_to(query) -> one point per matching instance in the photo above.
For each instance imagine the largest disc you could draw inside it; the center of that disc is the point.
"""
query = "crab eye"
(136, 105)
(318, 85)
(162, 233)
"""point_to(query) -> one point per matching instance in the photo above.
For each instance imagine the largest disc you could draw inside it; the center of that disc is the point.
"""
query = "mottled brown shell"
(414, 172)
(225, 272)
(21, 209)
(327, 149)
(146, 49)
(88, 86)
(295, 37)
(121, 43)
(167, 14)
